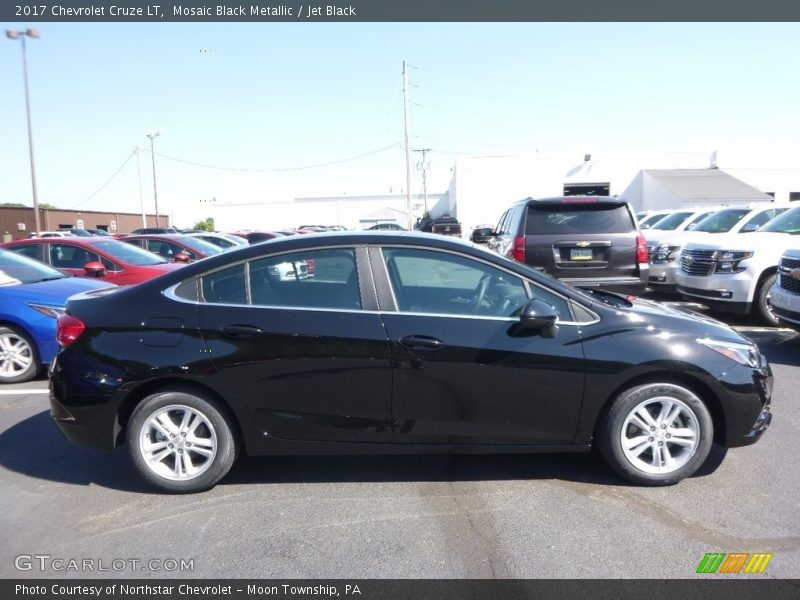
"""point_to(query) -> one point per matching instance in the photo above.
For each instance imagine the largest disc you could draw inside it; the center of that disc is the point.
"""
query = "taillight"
(433, 228)
(518, 249)
(641, 249)
(68, 330)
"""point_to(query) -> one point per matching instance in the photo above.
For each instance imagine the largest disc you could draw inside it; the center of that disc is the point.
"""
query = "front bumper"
(749, 408)
(786, 306)
(728, 292)
(662, 275)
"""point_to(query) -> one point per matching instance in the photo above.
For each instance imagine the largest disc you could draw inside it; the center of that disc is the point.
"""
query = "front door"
(464, 371)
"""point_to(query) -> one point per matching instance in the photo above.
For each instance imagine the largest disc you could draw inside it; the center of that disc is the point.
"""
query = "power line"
(276, 170)
(102, 187)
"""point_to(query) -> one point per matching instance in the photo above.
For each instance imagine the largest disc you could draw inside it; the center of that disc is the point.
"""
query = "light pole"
(152, 135)
(21, 35)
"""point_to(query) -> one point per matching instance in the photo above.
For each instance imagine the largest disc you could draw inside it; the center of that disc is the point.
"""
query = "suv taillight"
(518, 249)
(68, 330)
(641, 249)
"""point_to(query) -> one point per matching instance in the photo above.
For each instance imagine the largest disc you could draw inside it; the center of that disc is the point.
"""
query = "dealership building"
(18, 222)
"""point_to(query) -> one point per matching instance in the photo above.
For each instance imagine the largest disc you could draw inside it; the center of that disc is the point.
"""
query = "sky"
(271, 102)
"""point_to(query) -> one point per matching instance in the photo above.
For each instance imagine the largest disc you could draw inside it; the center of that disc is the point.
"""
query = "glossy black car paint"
(328, 381)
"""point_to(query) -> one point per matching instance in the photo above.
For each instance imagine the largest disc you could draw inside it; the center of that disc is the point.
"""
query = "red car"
(114, 261)
(174, 247)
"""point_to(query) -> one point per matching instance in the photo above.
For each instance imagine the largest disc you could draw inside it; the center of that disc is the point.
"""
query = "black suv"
(591, 241)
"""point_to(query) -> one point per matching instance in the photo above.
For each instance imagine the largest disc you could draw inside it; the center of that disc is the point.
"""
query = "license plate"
(580, 254)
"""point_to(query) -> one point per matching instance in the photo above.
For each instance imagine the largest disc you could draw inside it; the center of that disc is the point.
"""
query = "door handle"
(240, 331)
(421, 342)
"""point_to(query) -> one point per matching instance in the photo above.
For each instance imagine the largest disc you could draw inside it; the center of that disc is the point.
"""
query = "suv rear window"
(564, 219)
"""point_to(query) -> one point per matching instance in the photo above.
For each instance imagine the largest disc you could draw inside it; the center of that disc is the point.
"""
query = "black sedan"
(395, 343)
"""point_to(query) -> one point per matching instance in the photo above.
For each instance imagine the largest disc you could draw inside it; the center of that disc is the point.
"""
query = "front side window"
(720, 222)
(67, 256)
(761, 218)
(788, 222)
(168, 250)
(427, 281)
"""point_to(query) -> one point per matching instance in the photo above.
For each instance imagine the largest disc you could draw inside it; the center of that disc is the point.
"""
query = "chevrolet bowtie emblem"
(688, 259)
(794, 273)
(582, 244)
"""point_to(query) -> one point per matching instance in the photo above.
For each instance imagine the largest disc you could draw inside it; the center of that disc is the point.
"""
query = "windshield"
(788, 222)
(199, 245)
(16, 269)
(648, 221)
(720, 222)
(128, 253)
(672, 222)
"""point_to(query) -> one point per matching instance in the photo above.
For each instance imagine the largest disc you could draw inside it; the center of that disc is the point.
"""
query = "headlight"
(744, 354)
(666, 254)
(50, 311)
(728, 260)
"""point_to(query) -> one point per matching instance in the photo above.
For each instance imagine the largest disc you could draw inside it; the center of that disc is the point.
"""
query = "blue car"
(32, 296)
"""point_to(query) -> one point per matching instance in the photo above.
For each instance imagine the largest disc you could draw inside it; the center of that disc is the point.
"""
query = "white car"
(786, 293)
(737, 273)
(649, 218)
(52, 234)
(665, 247)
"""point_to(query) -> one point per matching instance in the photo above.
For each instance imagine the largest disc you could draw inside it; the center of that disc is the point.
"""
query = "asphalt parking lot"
(407, 517)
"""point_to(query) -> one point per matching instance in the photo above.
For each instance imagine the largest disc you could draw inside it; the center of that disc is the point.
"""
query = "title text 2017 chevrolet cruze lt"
(397, 343)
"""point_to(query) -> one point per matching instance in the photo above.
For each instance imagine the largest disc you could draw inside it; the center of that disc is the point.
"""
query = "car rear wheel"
(181, 442)
(763, 301)
(656, 434)
(18, 360)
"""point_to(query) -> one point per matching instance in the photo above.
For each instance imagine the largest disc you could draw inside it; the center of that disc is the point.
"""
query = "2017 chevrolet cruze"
(397, 343)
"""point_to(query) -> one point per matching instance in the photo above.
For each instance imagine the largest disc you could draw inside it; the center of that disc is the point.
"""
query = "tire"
(762, 303)
(645, 462)
(19, 360)
(195, 444)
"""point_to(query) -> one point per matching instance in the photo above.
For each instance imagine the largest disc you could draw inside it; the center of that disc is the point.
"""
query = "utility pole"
(407, 116)
(423, 166)
(152, 135)
(21, 35)
(137, 150)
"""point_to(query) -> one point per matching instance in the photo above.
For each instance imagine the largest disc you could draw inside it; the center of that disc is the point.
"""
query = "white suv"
(665, 246)
(786, 293)
(736, 273)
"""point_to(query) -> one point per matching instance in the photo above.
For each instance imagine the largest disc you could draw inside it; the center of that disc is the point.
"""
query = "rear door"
(305, 354)
(581, 238)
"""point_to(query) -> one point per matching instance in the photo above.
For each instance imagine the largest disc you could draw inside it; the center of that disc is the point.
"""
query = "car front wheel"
(18, 361)
(181, 442)
(656, 434)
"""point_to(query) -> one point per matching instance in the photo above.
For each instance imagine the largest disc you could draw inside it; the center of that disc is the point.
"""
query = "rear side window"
(33, 251)
(308, 279)
(226, 286)
(578, 219)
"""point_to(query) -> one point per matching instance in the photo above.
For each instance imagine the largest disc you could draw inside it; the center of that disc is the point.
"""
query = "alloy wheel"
(178, 443)
(16, 355)
(660, 435)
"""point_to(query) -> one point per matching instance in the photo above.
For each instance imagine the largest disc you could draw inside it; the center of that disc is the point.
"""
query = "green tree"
(205, 225)
(13, 204)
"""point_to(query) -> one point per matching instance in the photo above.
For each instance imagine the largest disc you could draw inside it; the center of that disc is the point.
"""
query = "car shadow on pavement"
(35, 448)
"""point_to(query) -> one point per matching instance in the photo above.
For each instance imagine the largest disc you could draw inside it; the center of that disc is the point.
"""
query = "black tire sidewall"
(226, 441)
(611, 427)
(761, 299)
(35, 366)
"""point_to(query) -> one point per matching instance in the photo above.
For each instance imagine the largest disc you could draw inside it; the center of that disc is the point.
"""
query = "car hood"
(758, 241)
(53, 292)
(670, 320)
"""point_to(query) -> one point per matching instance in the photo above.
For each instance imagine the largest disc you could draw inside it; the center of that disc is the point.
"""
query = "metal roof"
(712, 185)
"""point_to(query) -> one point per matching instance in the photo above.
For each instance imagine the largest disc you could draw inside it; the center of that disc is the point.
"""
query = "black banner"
(131, 11)
(440, 589)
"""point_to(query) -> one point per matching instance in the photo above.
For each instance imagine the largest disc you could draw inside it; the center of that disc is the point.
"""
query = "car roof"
(573, 199)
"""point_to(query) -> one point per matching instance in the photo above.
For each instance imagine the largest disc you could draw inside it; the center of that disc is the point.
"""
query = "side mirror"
(95, 269)
(540, 316)
(750, 227)
(182, 257)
